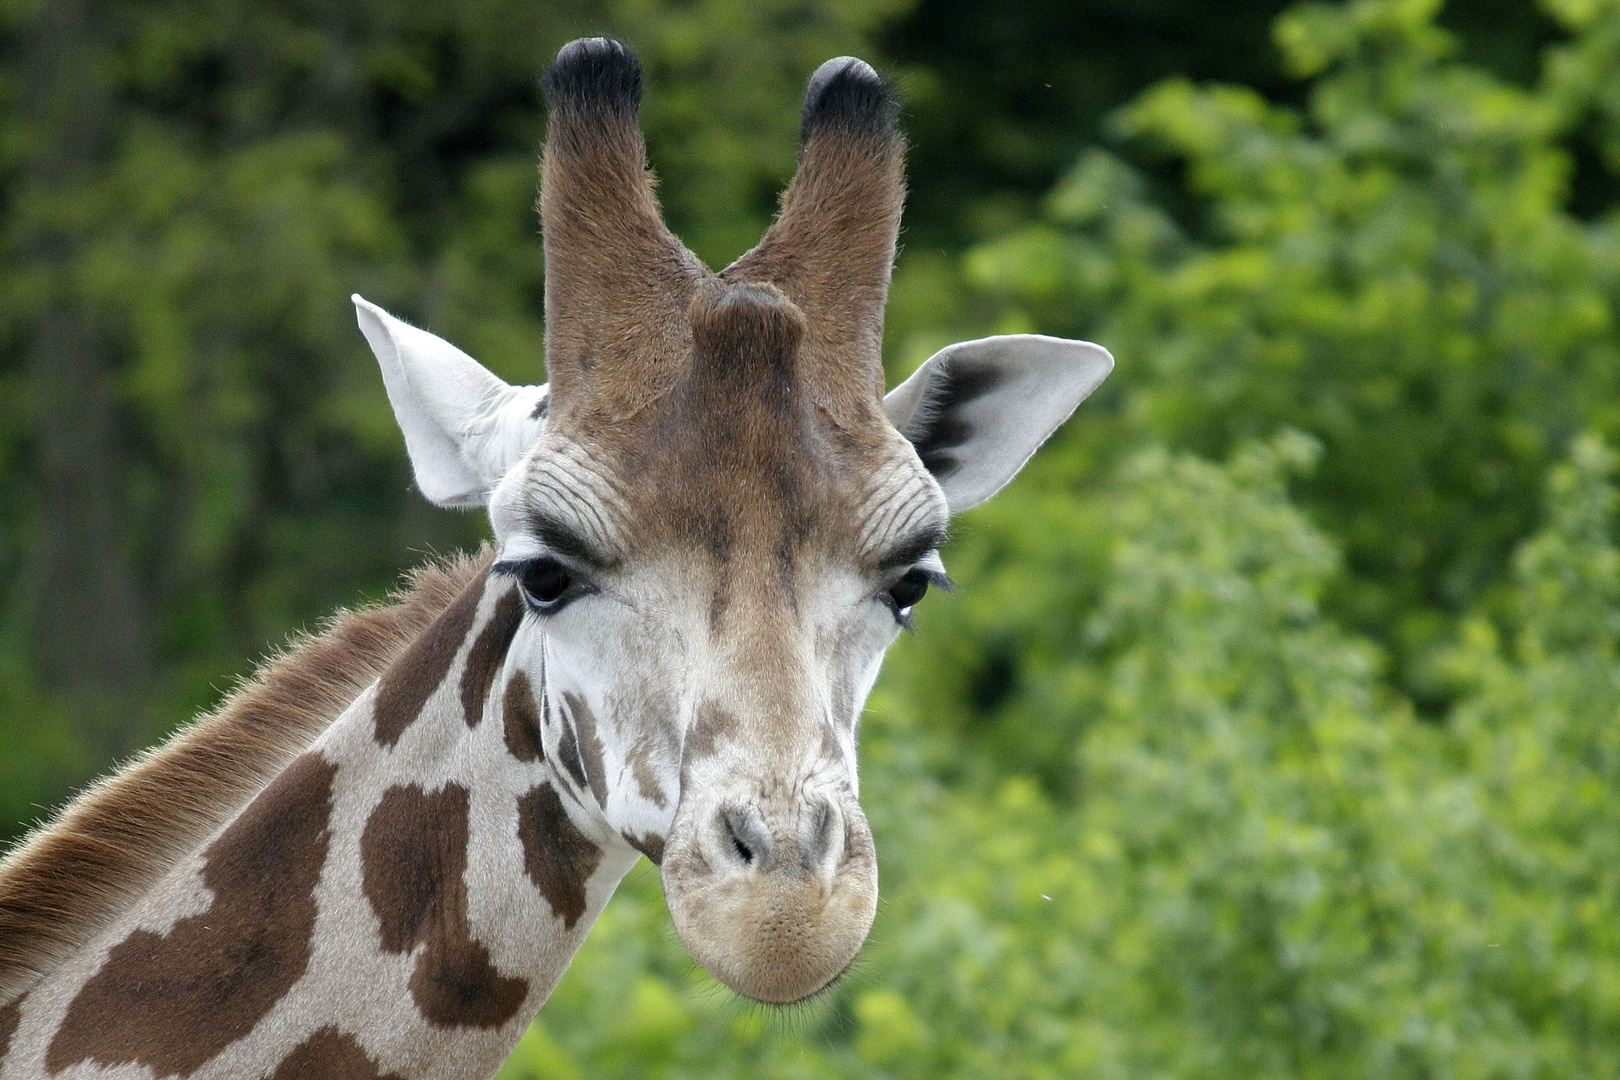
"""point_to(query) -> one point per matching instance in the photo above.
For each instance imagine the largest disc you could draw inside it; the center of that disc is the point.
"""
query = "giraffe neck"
(399, 901)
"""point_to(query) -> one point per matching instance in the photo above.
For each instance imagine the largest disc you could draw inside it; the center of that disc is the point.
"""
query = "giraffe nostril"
(746, 836)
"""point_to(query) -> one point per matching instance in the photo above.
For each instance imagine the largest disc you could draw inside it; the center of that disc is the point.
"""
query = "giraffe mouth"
(775, 921)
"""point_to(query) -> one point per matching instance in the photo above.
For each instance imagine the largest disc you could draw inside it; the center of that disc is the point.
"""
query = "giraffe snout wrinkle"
(821, 840)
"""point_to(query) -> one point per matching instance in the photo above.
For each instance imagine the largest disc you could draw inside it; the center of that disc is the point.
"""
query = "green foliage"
(1536, 732)
(1393, 269)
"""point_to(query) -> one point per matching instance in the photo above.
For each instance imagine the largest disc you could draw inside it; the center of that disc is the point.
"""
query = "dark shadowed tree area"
(1275, 730)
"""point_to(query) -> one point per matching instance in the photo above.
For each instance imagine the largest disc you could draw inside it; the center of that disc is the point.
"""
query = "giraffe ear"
(976, 411)
(464, 428)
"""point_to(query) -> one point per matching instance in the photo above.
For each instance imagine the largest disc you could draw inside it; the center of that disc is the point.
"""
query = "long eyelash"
(938, 577)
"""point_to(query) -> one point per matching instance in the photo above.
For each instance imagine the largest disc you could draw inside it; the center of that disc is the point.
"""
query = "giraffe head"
(717, 520)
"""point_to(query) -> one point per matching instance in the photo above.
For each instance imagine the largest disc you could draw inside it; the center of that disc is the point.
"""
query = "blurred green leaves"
(1392, 269)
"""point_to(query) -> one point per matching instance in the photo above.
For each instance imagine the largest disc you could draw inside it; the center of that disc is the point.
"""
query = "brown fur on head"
(832, 247)
(617, 280)
(619, 285)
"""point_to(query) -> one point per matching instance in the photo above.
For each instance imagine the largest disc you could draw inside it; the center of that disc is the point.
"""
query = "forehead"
(738, 472)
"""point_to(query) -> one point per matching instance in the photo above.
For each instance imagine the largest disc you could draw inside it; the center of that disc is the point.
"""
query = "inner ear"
(976, 411)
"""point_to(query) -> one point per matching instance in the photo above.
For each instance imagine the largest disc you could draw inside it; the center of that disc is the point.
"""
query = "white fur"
(1042, 381)
(464, 428)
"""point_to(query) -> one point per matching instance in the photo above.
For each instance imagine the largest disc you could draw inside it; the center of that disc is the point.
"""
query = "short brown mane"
(70, 877)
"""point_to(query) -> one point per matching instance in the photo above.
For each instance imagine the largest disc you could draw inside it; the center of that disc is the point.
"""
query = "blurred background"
(1275, 729)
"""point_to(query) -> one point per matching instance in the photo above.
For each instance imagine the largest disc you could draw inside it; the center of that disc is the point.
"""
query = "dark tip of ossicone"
(597, 71)
(846, 95)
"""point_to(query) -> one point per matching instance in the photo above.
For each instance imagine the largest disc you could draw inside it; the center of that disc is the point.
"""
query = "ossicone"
(846, 96)
(598, 72)
(745, 322)
(617, 280)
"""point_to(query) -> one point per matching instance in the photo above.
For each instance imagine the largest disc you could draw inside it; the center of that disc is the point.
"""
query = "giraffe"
(377, 857)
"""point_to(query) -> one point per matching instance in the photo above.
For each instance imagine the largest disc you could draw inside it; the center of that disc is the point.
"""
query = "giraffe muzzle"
(775, 901)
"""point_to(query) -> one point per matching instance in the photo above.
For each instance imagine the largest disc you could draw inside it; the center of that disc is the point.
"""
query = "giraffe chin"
(775, 935)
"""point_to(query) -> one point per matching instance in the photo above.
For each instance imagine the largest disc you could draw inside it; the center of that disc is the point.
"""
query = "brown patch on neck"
(521, 719)
(488, 654)
(329, 1054)
(10, 1017)
(558, 858)
(68, 879)
(646, 780)
(411, 680)
(649, 844)
(214, 976)
(414, 851)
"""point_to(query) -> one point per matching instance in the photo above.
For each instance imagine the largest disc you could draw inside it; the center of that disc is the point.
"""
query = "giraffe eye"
(545, 580)
(547, 584)
(909, 589)
(903, 594)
